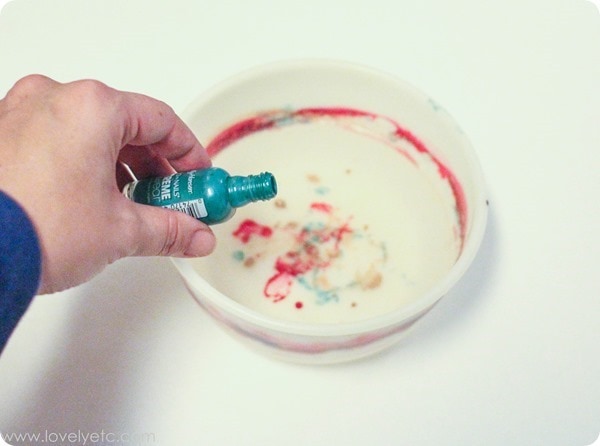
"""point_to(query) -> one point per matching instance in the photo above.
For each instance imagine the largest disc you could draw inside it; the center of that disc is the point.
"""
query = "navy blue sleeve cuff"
(20, 265)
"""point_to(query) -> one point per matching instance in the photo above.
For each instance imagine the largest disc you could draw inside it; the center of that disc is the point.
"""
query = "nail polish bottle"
(209, 195)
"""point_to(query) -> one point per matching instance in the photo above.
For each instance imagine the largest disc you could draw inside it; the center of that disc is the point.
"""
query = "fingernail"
(202, 243)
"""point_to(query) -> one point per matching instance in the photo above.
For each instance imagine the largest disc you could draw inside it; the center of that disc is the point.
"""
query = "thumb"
(166, 232)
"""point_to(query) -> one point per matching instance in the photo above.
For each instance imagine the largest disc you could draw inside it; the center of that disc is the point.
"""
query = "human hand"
(60, 151)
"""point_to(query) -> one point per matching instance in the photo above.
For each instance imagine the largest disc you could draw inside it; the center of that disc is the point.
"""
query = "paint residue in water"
(280, 203)
(322, 207)
(316, 247)
(313, 254)
(249, 228)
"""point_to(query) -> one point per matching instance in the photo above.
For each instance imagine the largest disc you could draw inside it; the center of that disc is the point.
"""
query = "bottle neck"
(246, 189)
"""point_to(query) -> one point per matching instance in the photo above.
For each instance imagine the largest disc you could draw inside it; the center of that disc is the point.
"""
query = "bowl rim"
(399, 316)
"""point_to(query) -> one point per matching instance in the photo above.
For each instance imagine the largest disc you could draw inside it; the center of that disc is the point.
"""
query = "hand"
(61, 146)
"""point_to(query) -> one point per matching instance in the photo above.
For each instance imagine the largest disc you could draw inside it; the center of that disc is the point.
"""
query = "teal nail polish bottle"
(209, 195)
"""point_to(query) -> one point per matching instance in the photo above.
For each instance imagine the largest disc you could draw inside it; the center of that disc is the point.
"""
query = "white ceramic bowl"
(381, 209)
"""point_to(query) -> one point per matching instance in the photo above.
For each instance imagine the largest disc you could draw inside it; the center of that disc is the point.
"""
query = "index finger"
(152, 124)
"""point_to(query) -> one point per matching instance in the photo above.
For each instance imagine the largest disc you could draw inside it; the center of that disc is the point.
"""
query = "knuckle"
(93, 100)
(90, 90)
(33, 81)
(30, 84)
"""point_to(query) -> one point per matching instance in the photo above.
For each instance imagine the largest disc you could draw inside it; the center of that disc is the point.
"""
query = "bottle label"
(173, 192)
(194, 208)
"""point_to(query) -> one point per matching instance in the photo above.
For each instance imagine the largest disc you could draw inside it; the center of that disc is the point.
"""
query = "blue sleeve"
(20, 265)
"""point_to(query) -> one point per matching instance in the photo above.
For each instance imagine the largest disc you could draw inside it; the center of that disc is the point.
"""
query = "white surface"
(510, 357)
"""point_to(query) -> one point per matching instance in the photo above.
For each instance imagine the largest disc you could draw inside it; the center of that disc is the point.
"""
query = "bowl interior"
(380, 202)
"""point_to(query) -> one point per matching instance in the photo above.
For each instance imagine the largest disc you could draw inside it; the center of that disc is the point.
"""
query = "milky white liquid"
(400, 227)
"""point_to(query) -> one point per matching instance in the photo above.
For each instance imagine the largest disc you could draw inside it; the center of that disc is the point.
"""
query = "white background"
(509, 357)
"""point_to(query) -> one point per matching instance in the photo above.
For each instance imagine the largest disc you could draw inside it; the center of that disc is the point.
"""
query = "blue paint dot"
(239, 255)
